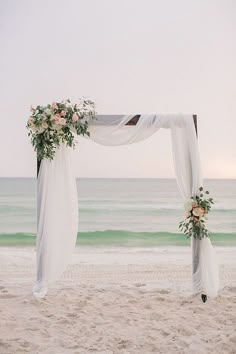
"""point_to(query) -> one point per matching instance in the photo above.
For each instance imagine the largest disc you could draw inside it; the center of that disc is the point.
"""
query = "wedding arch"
(57, 194)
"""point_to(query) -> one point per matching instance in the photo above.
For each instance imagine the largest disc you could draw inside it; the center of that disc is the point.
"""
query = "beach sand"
(116, 300)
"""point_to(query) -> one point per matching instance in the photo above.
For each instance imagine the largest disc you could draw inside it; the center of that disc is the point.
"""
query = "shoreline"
(121, 238)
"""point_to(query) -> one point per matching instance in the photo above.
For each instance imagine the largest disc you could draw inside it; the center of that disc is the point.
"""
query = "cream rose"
(188, 205)
(62, 121)
(48, 111)
(44, 125)
(194, 204)
(199, 211)
(31, 120)
(33, 127)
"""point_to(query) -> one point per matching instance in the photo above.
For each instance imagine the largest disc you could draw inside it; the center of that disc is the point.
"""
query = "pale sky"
(129, 56)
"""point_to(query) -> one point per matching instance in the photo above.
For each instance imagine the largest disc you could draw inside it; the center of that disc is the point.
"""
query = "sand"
(116, 301)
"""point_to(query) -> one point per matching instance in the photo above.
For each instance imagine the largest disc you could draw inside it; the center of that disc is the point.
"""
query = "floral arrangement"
(195, 211)
(51, 125)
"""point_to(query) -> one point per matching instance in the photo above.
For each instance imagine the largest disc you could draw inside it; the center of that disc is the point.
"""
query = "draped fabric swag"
(57, 195)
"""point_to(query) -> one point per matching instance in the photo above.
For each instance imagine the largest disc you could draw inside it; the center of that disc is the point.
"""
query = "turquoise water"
(119, 212)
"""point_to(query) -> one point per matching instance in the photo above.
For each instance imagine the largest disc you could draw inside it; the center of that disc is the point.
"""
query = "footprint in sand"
(185, 332)
(138, 285)
(160, 298)
(122, 344)
(163, 291)
(148, 307)
(33, 329)
(7, 296)
(184, 302)
(72, 315)
(232, 339)
(4, 346)
(23, 344)
(164, 333)
(49, 315)
(3, 289)
(232, 289)
(63, 321)
(132, 301)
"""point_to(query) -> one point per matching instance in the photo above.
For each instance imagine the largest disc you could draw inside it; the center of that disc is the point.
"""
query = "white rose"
(188, 205)
(194, 203)
(187, 214)
(48, 112)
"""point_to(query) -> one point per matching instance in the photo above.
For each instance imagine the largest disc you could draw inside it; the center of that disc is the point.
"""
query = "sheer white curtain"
(57, 223)
(189, 179)
(57, 218)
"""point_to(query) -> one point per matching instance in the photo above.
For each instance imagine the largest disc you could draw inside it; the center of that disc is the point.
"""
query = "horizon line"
(77, 177)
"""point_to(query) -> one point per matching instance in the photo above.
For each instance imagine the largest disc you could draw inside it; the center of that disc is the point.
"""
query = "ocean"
(119, 212)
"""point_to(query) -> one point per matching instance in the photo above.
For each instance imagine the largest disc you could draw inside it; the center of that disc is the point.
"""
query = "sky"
(129, 56)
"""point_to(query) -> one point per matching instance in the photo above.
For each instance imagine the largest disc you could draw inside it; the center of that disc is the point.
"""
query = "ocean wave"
(121, 238)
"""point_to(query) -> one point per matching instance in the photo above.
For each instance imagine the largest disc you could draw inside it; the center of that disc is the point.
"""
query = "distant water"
(119, 212)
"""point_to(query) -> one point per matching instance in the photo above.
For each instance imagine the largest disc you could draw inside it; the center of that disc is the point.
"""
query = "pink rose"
(62, 121)
(56, 117)
(75, 117)
(54, 105)
(44, 125)
(63, 113)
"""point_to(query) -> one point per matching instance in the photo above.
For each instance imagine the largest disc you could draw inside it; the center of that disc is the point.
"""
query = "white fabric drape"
(57, 218)
(57, 224)
(189, 179)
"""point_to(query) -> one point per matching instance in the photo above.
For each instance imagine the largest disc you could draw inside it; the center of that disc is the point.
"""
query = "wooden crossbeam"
(134, 120)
